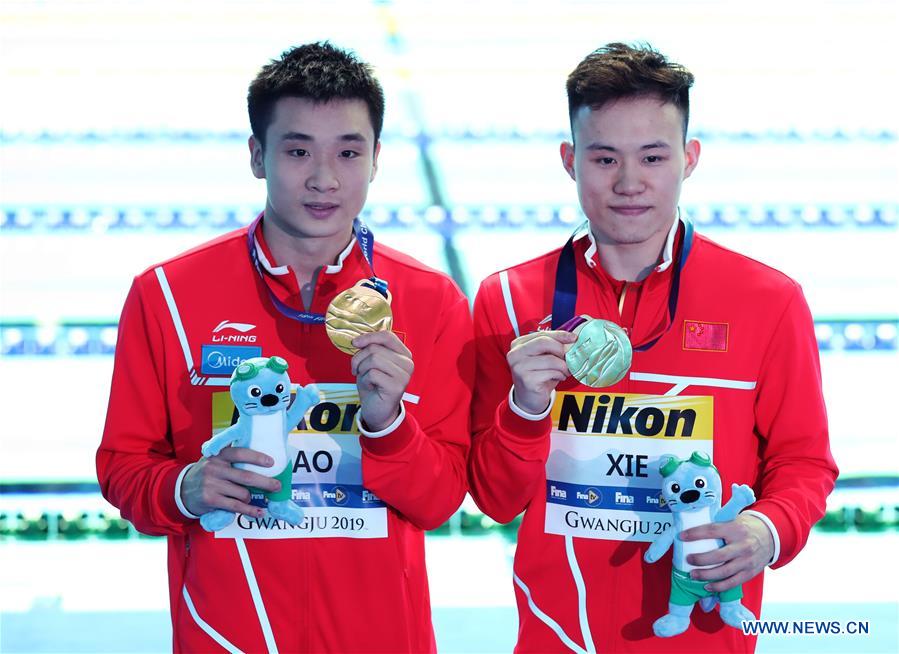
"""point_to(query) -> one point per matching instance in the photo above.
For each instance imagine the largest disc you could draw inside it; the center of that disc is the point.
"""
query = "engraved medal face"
(602, 354)
(357, 310)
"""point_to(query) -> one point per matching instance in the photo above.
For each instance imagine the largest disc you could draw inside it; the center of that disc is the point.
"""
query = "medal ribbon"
(565, 292)
(364, 237)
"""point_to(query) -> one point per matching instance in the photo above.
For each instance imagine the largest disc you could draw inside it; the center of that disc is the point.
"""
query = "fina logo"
(561, 493)
(623, 499)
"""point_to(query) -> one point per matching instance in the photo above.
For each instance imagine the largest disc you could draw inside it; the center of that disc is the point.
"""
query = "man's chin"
(623, 237)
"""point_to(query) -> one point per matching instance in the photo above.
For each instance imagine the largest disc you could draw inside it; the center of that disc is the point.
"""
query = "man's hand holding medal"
(597, 352)
(359, 322)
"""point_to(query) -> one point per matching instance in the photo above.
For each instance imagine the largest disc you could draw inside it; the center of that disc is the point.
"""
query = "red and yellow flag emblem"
(705, 336)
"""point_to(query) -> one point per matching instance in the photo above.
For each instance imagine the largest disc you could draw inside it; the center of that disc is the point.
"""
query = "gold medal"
(358, 310)
(602, 354)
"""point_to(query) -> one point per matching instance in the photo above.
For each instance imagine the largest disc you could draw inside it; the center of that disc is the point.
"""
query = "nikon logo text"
(634, 415)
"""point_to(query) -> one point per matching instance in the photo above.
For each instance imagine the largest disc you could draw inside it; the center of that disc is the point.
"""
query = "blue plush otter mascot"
(692, 491)
(260, 389)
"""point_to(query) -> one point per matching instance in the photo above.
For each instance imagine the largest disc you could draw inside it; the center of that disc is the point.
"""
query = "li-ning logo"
(545, 324)
(241, 327)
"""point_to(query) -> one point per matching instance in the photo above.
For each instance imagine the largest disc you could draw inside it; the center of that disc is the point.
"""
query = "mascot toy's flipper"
(692, 491)
(260, 389)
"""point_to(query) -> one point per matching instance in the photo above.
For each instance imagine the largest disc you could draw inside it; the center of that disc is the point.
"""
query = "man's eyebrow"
(602, 147)
(354, 137)
(296, 136)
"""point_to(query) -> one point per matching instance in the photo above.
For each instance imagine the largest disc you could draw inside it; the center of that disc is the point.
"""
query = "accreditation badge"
(326, 459)
(602, 475)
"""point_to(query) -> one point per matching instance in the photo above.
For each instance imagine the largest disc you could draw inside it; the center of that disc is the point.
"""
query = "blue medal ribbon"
(364, 237)
(565, 292)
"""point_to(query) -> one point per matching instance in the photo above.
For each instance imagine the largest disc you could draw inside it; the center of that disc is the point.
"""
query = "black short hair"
(618, 70)
(319, 72)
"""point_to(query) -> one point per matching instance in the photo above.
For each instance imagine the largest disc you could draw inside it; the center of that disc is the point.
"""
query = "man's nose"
(323, 178)
(629, 181)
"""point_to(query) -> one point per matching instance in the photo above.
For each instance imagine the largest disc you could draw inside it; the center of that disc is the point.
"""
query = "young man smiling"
(724, 362)
(382, 456)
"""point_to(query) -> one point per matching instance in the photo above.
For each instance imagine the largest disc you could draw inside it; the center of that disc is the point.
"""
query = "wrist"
(378, 424)
(389, 427)
(527, 409)
(179, 497)
(772, 540)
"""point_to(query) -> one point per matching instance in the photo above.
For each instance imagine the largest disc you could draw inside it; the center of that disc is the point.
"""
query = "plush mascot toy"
(260, 389)
(692, 491)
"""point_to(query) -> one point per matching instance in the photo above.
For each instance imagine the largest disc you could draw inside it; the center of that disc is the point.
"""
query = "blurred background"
(123, 142)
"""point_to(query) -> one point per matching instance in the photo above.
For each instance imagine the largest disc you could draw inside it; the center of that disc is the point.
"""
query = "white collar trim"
(273, 270)
(667, 251)
(337, 267)
(283, 270)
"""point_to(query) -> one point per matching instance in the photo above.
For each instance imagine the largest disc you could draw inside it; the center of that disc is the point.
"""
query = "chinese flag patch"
(705, 336)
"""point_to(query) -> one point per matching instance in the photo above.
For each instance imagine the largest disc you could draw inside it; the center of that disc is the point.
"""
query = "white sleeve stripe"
(693, 381)
(176, 317)
(257, 596)
(581, 595)
(507, 298)
(205, 626)
(545, 619)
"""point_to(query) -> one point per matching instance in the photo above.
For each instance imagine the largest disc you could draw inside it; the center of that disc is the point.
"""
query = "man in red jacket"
(377, 461)
(724, 362)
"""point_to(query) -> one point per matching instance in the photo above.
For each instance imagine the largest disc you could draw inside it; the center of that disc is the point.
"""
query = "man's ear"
(374, 161)
(691, 156)
(257, 160)
(566, 151)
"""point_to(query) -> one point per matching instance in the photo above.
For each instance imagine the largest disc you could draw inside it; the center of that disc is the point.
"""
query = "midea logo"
(216, 360)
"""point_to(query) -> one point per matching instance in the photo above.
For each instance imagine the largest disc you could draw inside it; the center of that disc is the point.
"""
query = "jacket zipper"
(621, 300)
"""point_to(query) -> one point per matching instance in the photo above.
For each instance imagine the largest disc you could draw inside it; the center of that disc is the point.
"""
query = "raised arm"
(418, 468)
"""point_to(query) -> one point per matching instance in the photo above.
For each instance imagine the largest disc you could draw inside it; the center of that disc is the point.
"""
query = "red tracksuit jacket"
(737, 376)
(352, 577)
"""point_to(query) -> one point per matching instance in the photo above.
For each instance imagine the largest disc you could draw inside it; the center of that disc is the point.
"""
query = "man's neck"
(304, 254)
(631, 262)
